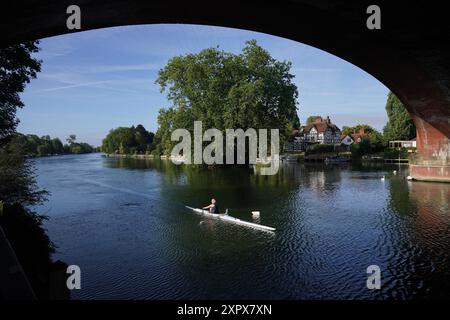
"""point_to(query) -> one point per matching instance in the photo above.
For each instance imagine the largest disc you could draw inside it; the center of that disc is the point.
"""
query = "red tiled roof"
(321, 127)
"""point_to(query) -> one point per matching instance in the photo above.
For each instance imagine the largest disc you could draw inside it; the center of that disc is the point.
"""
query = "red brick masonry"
(430, 172)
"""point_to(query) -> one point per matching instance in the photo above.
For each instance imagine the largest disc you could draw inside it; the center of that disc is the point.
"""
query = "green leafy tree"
(79, 148)
(225, 90)
(372, 141)
(33, 141)
(125, 140)
(45, 147)
(17, 68)
(17, 181)
(18, 187)
(32, 145)
(311, 119)
(57, 146)
(71, 139)
(27, 143)
(355, 129)
(362, 148)
(44, 150)
(400, 125)
(144, 139)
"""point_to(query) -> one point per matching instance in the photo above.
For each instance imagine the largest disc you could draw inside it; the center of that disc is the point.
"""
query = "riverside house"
(320, 131)
(355, 137)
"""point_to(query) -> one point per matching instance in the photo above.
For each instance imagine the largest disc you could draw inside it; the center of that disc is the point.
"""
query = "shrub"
(320, 148)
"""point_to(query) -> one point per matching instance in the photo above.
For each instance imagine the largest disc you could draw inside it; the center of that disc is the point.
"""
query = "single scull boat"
(226, 217)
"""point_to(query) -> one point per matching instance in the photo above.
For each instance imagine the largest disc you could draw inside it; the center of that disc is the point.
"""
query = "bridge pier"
(432, 161)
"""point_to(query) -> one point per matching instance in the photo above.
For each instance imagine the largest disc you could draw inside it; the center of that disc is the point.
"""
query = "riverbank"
(132, 156)
(286, 157)
(33, 156)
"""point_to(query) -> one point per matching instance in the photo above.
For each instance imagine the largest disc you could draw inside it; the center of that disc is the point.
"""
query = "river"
(123, 222)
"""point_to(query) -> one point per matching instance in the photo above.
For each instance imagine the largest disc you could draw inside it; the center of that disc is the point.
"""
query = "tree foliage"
(18, 187)
(17, 68)
(77, 147)
(17, 181)
(355, 129)
(312, 119)
(362, 148)
(35, 146)
(320, 148)
(71, 139)
(131, 140)
(227, 91)
(400, 125)
(372, 141)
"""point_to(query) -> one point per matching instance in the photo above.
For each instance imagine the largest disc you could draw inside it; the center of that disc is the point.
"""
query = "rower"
(213, 208)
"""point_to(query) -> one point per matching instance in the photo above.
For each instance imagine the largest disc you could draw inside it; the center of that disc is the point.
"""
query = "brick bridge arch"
(410, 54)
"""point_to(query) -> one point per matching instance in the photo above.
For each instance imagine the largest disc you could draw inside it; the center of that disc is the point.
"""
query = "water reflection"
(332, 222)
(416, 239)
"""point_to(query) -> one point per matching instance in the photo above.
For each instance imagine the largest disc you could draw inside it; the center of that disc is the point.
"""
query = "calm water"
(123, 222)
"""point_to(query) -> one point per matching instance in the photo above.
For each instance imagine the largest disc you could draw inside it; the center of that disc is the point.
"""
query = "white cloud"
(117, 68)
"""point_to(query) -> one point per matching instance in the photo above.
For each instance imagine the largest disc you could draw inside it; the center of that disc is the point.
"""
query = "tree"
(400, 125)
(312, 119)
(57, 146)
(144, 139)
(168, 120)
(71, 139)
(355, 129)
(17, 68)
(18, 187)
(372, 137)
(17, 182)
(44, 150)
(362, 148)
(45, 147)
(228, 91)
(75, 147)
(32, 145)
(125, 140)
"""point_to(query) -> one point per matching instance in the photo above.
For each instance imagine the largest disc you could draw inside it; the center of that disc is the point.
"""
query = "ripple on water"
(132, 238)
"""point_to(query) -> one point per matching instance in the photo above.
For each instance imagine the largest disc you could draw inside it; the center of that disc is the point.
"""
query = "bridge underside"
(409, 54)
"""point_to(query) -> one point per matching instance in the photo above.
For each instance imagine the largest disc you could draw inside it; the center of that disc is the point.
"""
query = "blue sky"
(100, 79)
